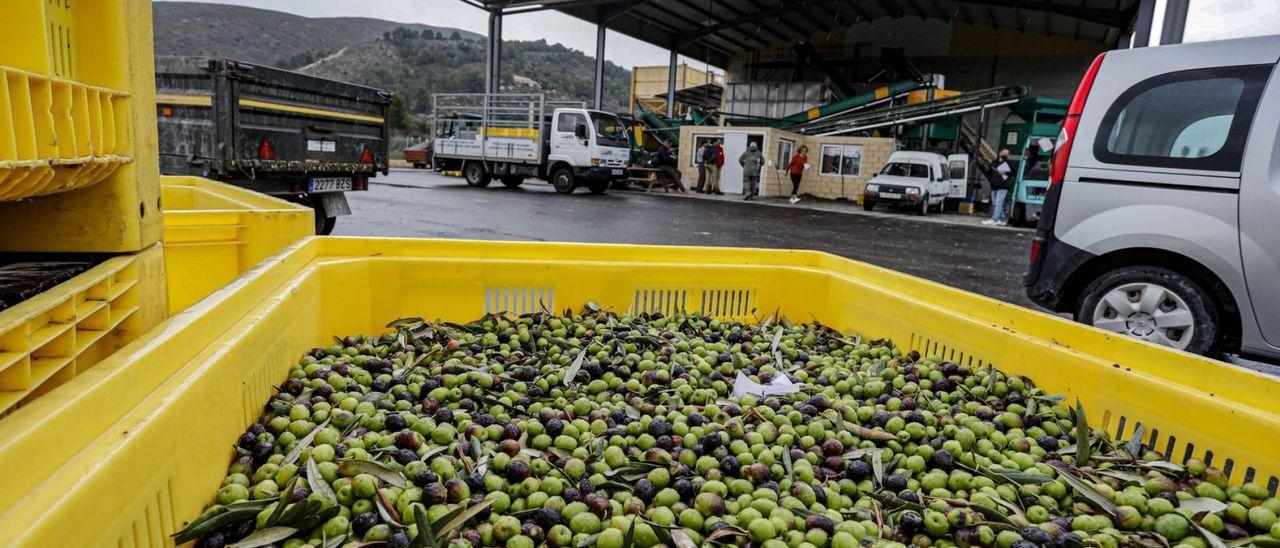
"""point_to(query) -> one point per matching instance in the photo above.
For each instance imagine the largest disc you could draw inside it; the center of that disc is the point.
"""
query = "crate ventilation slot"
(155, 523)
(929, 347)
(664, 301)
(1182, 451)
(728, 302)
(519, 300)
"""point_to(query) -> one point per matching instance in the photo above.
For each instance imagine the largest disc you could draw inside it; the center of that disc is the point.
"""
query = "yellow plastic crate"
(214, 232)
(61, 333)
(78, 161)
(124, 455)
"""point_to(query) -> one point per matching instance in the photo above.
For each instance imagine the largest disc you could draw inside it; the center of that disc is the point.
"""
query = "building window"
(1195, 119)
(785, 149)
(842, 160)
(698, 141)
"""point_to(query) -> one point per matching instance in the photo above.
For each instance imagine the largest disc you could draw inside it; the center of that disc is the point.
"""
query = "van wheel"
(562, 180)
(512, 181)
(1154, 304)
(476, 175)
(924, 206)
(868, 204)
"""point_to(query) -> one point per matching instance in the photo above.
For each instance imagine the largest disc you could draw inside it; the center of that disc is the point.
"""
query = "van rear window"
(1196, 119)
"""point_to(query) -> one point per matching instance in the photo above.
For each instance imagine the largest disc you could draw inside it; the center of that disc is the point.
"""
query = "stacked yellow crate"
(78, 166)
(78, 174)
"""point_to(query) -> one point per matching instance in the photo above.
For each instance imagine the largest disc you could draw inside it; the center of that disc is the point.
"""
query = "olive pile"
(611, 430)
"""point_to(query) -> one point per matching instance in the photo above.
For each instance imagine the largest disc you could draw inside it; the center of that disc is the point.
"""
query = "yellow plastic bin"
(61, 333)
(78, 164)
(214, 232)
(125, 454)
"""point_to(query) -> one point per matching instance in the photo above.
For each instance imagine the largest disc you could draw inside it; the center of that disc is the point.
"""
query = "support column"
(1142, 27)
(671, 83)
(599, 95)
(495, 50)
(1175, 21)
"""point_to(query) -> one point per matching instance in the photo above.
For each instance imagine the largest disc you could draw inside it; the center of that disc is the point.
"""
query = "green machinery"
(1037, 118)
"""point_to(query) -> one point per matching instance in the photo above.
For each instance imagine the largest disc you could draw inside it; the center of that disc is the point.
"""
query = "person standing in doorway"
(702, 167)
(999, 189)
(751, 161)
(795, 168)
(715, 161)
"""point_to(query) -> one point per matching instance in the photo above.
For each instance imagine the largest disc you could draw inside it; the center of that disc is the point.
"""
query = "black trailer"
(300, 137)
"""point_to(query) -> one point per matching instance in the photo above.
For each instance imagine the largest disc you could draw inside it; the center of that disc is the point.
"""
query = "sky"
(1208, 20)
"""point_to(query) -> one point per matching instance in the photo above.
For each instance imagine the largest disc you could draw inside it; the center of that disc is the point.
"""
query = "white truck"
(918, 180)
(512, 137)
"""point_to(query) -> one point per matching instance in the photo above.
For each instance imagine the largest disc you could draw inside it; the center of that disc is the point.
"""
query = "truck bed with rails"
(304, 138)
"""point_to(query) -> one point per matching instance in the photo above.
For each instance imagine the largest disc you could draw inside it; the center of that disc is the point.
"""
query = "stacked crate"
(79, 175)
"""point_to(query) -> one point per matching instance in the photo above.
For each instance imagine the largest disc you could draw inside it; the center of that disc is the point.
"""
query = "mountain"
(263, 36)
(412, 60)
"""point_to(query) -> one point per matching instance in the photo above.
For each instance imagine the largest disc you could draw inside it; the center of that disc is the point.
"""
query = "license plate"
(329, 184)
(890, 195)
(616, 172)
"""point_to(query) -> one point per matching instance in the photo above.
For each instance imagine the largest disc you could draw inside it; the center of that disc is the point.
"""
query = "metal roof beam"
(753, 17)
(1107, 17)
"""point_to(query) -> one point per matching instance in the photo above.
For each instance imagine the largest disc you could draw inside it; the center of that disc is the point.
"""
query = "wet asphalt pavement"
(414, 203)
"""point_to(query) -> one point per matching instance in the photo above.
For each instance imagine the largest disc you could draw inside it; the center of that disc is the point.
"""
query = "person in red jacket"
(795, 168)
(715, 161)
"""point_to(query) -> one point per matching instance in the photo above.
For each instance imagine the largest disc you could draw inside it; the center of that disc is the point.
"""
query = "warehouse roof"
(714, 30)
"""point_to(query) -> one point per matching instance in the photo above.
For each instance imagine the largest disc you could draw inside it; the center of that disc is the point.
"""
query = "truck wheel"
(512, 181)
(868, 204)
(1154, 304)
(562, 180)
(924, 206)
(598, 186)
(419, 165)
(476, 175)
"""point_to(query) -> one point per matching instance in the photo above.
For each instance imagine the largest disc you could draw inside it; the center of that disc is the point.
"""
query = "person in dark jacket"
(714, 159)
(701, 164)
(751, 162)
(999, 189)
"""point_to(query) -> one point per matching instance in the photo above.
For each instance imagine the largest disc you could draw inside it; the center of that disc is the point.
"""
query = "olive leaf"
(1197, 505)
(587, 541)
(334, 542)
(286, 496)
(317, 483)
(730, 531)
(1082, 434)
(630, 537)
(351, 467)
(1214, 541)
(572, 372)
(1015, 476)
(877, 465)
(777, 339)
(265, 537)
(1263, 541)
(302, 444)
(458, 518)
(1086, 490)
(786, 462)
(231, 514)
(1122, 475)
(1134, 446)
(426, 537)
(387, 511)
(406, 322)
(681, 539)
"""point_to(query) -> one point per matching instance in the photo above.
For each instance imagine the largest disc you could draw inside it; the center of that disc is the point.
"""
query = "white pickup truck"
(511, 137)
(918, 180)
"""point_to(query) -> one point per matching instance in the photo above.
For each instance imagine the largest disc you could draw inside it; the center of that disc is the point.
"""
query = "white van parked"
(917, 180)
(1160, 221)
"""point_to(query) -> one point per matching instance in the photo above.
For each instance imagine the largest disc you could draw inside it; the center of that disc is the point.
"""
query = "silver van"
(1162, 219)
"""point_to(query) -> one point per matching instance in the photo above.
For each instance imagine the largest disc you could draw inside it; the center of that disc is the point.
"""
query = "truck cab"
(1028, 133)
(917, 180)
(588, 147)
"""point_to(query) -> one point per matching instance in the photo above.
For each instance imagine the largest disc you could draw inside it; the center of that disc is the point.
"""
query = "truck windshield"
(903, 169)
(609, 130)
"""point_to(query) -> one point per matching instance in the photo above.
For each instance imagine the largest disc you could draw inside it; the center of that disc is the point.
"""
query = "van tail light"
(266, 151)
(1062, 150)
(1035, 250)
(367, 157)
